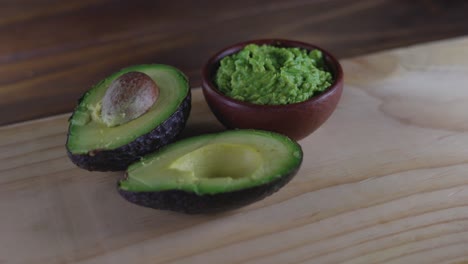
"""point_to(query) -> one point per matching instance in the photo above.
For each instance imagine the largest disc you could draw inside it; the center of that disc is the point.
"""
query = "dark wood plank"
(52, 51)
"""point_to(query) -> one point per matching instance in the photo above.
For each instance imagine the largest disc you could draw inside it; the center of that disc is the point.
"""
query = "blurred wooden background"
(51, 51)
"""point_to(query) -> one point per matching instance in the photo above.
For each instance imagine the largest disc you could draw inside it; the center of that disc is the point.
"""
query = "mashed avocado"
(273, 75)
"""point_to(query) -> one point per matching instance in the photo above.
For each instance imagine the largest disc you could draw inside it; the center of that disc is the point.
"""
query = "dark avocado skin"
(120, 158)
(191, 203)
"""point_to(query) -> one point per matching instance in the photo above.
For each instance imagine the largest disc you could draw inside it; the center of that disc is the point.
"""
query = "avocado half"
(213, 172)
(94, 146)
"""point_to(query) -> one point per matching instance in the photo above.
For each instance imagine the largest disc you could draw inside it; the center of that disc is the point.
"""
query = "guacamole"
(270, 75)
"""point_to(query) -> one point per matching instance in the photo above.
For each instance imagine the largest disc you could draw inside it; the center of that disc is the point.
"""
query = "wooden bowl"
(296, 120)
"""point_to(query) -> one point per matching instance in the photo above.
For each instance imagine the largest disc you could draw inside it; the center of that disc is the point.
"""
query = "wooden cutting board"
(384, 180)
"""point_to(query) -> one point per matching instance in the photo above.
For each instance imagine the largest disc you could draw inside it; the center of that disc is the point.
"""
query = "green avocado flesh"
(88, 132)
(215, 163)
(270, 75)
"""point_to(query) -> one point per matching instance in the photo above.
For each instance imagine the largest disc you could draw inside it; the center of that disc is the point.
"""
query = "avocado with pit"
(131, 113)
(213, 172)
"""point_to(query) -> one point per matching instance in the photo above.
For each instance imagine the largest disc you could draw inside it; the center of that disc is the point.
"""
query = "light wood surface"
(385, 180)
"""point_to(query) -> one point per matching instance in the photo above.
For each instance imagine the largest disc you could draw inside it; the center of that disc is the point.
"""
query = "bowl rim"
(210, 65)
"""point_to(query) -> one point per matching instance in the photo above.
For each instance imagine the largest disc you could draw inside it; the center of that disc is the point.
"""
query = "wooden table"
(383, 181)
(51, 51)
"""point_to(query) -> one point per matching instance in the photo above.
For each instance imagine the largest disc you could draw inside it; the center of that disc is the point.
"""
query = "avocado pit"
(127, 98)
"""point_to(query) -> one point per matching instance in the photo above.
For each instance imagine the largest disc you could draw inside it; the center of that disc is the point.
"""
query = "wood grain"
(383, 181)
(52, 51)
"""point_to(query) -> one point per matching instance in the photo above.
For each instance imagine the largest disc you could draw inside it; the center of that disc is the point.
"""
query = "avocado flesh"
(215, 163)
(87, 133)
